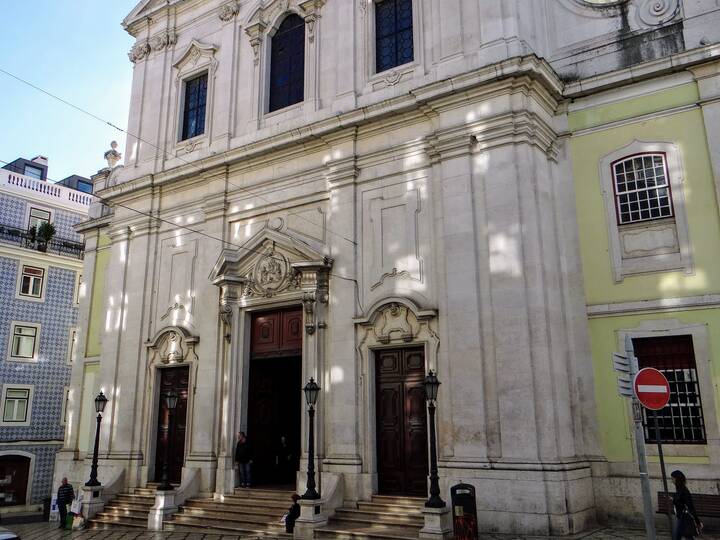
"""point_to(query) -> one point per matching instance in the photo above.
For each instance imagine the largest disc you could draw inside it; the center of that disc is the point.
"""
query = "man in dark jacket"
(65, 496)
(292, 514)
(243, 457)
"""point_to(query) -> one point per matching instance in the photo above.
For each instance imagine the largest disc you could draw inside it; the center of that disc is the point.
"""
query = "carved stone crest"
(172, 345)
(228, 11)
(139, 51)
(163, 40)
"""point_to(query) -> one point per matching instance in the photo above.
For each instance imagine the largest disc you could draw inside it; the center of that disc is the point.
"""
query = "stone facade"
(431, 205)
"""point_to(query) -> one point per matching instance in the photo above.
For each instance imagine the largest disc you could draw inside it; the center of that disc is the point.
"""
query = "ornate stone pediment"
(173, 345)
(397, 320)
(271, 264)
(196, 54)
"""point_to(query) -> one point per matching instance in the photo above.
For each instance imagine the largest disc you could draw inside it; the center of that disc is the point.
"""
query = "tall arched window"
(287, 64)
(393, 34)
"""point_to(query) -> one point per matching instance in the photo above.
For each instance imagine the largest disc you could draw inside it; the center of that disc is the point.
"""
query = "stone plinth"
(438, 524)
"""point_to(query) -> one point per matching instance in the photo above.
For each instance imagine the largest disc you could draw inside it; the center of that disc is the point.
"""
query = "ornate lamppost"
(171, 401)
(311, 394)
(100, 402)
(432, 384)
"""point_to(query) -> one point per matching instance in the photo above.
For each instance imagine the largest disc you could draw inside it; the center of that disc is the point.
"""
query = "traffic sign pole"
(662, 467)
(640, 448)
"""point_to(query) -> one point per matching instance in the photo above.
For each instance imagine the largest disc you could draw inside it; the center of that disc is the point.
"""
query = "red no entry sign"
(651, 388)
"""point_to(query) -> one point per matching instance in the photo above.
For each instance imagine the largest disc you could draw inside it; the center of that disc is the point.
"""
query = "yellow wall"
(687, 130)
(613, 414)
(90, 388)
(97, 299)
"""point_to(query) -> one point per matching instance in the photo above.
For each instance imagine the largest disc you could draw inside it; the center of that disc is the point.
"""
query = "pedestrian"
(284, 470)
(686, 523)
(243, 457)
(292, 514)
(65, 496)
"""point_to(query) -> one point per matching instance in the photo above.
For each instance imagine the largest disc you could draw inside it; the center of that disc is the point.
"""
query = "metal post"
(434, 501)
(165, 484)
(662, 468)
(311, 493)
(94, 467)
(640, 448)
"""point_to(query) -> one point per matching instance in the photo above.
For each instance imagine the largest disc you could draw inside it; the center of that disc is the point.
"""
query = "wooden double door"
(14, 474)
(401, 422)
(171, 438)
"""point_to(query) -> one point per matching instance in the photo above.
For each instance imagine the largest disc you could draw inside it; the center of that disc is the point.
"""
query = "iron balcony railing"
(59, 246)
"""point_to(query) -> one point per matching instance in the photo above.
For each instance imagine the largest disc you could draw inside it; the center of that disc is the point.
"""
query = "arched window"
(642, 188)
(393, 34)
(287, 64)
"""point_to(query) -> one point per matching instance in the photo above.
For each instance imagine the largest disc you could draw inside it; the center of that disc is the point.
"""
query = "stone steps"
(125, 511)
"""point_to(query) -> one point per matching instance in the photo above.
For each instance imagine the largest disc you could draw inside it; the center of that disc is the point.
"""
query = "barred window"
(681, 421)
(393, 34)
(194, 107)
(642, 188)
(287, 64)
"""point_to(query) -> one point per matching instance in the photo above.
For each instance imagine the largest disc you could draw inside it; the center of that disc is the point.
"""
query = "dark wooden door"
(14, 472)
(275, 396)
(172, 438)
(401, 422)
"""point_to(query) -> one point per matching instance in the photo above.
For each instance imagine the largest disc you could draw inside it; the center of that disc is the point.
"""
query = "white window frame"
(667, 186)
(66, 404)
(78, 287)
(36, 346)
(72, 350)
(28, 413)
(18, 289)
(393, 76)
(31, 207)
(653, 261)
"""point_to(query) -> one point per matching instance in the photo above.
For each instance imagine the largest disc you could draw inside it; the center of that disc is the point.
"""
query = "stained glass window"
(393, 34)
(194, 109)
(642, 189)
(287, 64)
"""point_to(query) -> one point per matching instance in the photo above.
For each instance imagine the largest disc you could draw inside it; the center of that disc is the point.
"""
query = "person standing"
(65, 496)
(243, 457)
(292, 514)
(686, 524)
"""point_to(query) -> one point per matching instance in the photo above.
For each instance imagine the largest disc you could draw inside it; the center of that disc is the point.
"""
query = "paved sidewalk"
(49, 531)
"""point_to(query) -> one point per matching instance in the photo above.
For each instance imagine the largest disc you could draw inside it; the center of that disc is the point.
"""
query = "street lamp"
(171, 401)
(100, 402)
(432, 384)
(311, 394)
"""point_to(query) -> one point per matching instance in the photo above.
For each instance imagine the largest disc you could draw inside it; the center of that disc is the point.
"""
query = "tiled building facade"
(39, 294)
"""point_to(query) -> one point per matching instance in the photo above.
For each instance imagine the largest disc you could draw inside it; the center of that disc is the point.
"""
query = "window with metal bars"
(194, 107)
(642, 188)
(287, 64)
(681, 421)
(393, 34)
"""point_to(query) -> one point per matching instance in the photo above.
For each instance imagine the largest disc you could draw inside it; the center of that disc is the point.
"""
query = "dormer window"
(33, 172)
(287, 64)
(194, 107)
(642, 188)
(393, 34)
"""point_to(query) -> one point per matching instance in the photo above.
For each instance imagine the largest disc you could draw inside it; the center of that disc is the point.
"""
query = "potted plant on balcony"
(45, 233)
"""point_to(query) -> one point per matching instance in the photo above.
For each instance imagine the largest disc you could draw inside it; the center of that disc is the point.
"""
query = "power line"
(212, 237)
(107, 122)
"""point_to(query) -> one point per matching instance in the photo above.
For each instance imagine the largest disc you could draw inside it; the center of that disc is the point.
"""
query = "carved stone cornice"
(163, 40)
(311, 14)
(228, 11)
(255, 32)
(139, 51)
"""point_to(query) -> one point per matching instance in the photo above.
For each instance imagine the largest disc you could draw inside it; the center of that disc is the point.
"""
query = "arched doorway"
(14, 476)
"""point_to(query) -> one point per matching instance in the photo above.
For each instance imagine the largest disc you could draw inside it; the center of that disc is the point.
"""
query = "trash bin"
(46, 508)
(464, 512)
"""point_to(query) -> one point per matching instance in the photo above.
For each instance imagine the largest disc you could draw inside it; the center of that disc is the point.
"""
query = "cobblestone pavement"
(49, 531)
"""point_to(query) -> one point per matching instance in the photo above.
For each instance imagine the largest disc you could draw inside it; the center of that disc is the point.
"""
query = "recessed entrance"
(14, 474)
(401, 422)
(275, 396)
(173, 440)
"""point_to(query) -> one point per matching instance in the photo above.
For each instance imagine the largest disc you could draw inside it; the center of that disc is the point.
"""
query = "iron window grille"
(24, 340)
(16, 405)
(32, 281)
(642, 188)
(194, 107)
(393, 34)
(682, 420)
(287, 64)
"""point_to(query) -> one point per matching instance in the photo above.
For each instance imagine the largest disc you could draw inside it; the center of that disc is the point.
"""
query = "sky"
(77, 50)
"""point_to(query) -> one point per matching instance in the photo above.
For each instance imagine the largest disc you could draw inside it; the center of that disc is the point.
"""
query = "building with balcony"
(40, 288)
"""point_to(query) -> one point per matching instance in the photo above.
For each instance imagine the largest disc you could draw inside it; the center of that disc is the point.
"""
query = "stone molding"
(228, 11)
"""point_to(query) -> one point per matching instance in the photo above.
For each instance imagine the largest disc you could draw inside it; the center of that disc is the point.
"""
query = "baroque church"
(359, 192)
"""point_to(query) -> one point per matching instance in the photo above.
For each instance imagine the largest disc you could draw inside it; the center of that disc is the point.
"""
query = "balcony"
(57, 246)
(60, 196)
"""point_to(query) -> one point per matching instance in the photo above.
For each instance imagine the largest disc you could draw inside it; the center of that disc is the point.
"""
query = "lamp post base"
(438, 524)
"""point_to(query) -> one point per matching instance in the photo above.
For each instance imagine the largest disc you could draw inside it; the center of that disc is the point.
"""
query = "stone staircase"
(252, 512)
(126, 510)
(391, 518)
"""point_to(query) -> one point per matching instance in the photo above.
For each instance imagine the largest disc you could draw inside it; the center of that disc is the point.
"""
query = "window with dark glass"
(287, 64)
(393, 34)
(642, 188)
(194, 107)
(84, 186)
(31, 281)
(681, 421)
(37, 217)
(33, 172)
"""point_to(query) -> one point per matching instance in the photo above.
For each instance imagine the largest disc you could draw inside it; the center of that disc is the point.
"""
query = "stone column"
(256, 34)
(311, 9)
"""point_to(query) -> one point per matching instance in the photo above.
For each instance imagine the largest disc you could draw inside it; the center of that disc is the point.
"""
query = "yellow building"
(647, 205)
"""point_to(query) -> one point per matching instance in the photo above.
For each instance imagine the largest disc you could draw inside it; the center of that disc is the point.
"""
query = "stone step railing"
(20, 184)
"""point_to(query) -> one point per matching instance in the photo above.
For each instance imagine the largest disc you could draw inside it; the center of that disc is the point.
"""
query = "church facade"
(363, 191)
